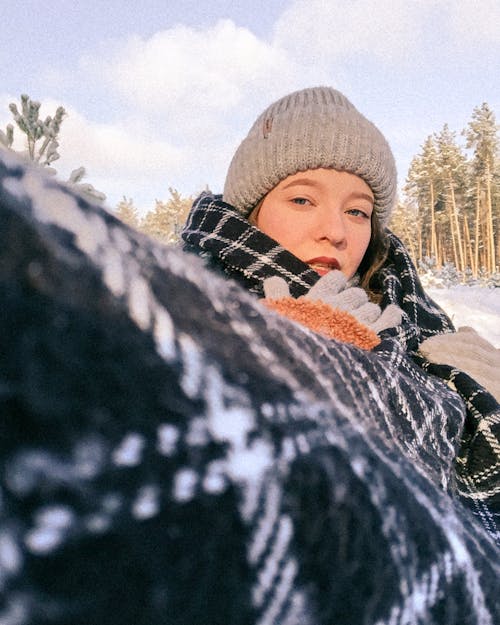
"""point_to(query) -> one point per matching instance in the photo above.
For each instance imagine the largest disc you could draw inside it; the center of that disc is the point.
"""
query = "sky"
(160, 93)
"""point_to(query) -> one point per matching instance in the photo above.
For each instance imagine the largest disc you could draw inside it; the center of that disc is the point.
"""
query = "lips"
(323, 264)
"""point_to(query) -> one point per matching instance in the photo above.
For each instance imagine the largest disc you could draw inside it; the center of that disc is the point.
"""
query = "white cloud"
(394, 32)
(187, 69)
(115, 146)
(333, 30)
(122, 158)
(190, 96)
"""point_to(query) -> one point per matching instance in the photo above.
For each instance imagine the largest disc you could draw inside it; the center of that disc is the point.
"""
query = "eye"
(302, 201)
(359, 212)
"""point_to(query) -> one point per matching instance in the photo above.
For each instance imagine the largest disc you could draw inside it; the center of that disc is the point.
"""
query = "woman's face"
(322, 216)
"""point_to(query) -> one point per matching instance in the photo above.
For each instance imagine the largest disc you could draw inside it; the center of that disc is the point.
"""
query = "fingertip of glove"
(275, 287)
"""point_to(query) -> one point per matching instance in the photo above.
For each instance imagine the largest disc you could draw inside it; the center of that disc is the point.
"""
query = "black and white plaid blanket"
(175, 453)
(217, 232)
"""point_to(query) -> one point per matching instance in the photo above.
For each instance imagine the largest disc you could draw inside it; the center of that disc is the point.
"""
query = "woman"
(314, 130)
(309, 191)
(308, 194)
(315, 183)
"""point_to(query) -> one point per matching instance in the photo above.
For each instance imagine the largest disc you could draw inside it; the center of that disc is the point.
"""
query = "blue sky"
(159, 93)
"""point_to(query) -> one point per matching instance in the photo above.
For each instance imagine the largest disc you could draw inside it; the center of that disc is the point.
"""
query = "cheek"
(266, 222)
(358, 243)
(363, 249)
(275, 224)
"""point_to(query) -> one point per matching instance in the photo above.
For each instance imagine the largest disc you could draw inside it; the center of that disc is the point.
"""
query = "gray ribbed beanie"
(308, 129)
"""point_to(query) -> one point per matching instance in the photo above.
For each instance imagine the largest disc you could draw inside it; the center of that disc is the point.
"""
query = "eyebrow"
(300, 181)
(313, 183)
(363, 196)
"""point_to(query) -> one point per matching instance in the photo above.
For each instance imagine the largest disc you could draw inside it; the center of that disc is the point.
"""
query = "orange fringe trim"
(322, 318)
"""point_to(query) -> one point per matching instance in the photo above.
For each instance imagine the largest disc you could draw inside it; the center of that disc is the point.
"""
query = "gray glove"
(332, 289)
(468, 351)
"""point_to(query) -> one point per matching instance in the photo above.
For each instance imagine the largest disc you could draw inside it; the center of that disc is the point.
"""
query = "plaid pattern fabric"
(218, 232)
(173, 453)
(478, 460)
(399, 284)
(214, 229)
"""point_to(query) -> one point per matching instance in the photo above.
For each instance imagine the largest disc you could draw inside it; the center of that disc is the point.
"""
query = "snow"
(478, 307)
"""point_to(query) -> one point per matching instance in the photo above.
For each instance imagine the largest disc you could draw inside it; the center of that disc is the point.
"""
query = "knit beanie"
(308, 129)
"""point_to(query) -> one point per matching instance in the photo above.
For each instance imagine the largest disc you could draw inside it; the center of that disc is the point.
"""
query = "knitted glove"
(332, 289)
(469, 352)
(332, 309)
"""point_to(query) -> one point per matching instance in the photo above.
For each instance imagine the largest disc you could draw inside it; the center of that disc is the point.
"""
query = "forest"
(449, 211)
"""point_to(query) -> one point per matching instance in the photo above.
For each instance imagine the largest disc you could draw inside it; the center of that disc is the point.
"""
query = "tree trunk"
(468, 247)
(419, 243)
(454, 213)
(434, 251)
(441, 255)
(489, 222)
(476, 233)
(452, 233)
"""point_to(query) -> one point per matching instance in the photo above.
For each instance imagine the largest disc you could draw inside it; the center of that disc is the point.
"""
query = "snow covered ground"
(471, 306)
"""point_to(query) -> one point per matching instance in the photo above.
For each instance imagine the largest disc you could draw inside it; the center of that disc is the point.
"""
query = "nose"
(331, 227)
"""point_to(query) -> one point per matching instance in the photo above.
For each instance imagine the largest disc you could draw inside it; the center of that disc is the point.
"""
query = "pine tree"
(452, 165)
(412, 192)
(127, 212)
(423, 190)
(481, 136)
(42, 142)
(41, 136)
(457, 202)
(404, 223)
(166, 220)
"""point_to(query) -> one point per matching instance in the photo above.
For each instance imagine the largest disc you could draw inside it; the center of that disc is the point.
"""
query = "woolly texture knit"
(309, 129)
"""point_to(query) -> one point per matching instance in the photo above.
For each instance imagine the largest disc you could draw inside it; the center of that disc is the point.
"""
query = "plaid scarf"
(217, 232)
